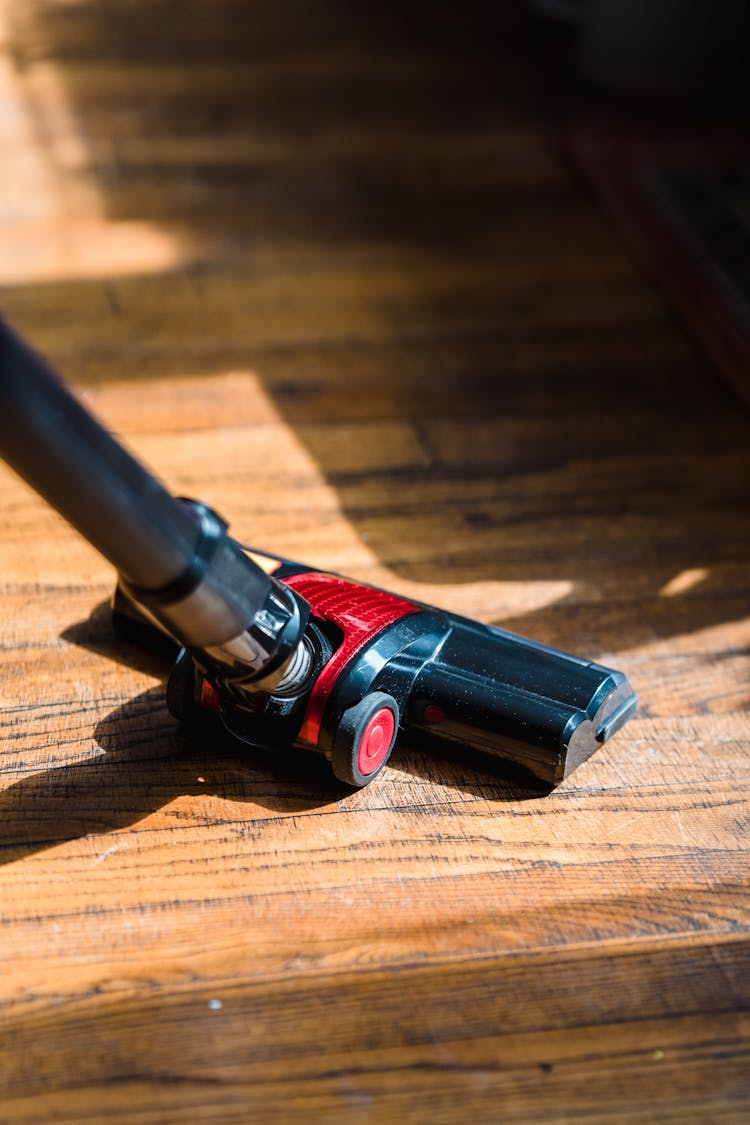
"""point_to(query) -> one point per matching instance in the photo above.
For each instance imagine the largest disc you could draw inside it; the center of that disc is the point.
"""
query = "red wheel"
(364, 739)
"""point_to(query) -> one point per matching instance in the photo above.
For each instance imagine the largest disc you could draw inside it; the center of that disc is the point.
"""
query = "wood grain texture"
(325, 271)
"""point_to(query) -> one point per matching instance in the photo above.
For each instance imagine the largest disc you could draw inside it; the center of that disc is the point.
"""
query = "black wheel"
(181, 689)
(364, 739)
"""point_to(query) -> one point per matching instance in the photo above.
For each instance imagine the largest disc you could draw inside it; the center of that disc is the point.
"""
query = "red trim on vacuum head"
(361, 612)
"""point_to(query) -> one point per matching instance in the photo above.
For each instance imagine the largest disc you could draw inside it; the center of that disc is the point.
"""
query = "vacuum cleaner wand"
(174, 560)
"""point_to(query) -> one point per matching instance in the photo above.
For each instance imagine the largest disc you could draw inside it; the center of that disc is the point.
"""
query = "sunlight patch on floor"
(53, 224)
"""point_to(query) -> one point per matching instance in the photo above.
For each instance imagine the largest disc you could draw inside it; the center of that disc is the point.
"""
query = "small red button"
(209, 696)
(433, 713)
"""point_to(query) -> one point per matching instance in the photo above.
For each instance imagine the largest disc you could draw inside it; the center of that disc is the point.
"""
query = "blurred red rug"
(683, 202)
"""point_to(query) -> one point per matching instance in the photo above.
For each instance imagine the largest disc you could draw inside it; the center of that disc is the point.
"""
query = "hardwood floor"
(322, 266)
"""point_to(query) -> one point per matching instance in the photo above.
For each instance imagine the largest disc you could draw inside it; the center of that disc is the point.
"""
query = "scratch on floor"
(620, 827)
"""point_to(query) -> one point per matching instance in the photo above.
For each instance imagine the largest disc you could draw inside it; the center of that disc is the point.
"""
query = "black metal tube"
(175, 560)
(53, 442)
